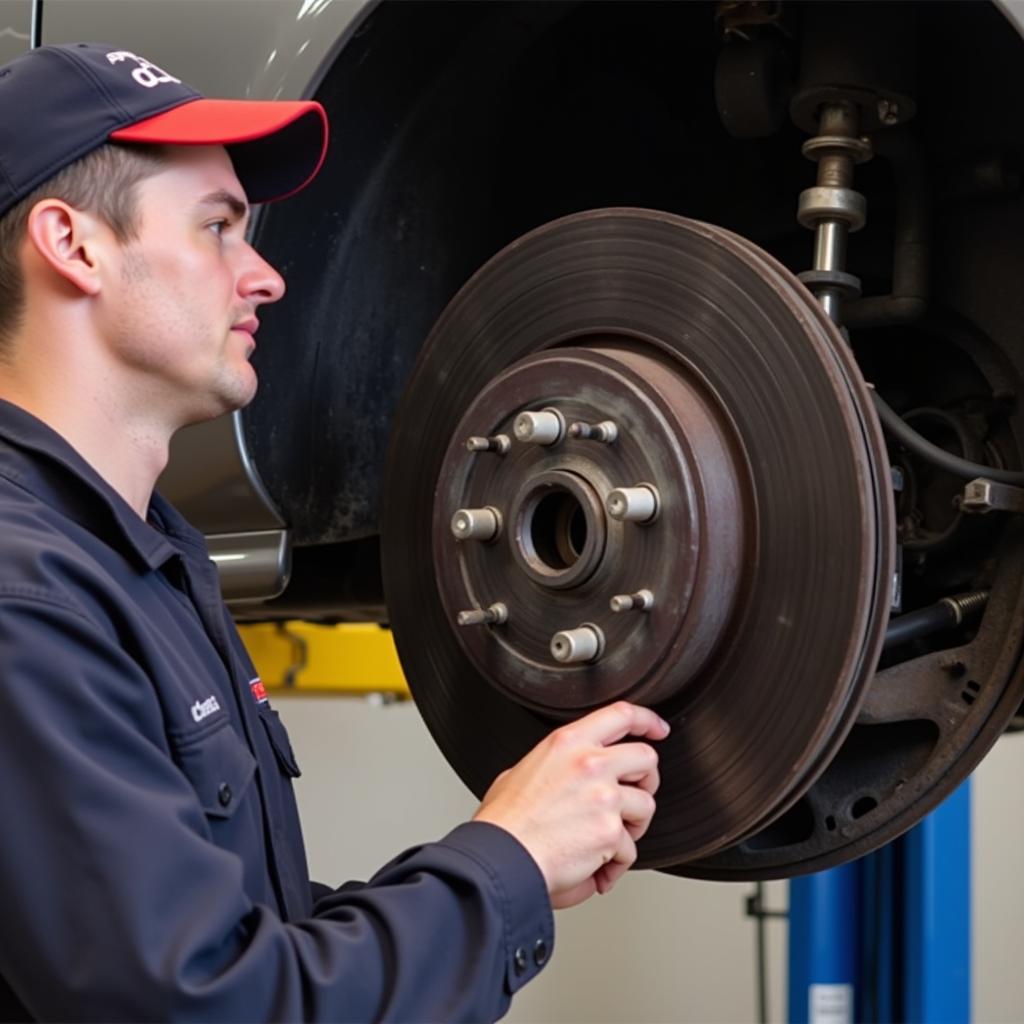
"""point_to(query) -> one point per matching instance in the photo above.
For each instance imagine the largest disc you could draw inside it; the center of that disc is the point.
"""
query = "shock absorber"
(832, 208)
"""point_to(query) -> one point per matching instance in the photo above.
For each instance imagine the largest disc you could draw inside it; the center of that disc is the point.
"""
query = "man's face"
(180, 312)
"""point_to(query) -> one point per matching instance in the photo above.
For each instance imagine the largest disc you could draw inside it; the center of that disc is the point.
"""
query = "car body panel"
(15, 23)
(254, 49)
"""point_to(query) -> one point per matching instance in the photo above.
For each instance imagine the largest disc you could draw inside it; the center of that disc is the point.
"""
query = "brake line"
(921, 446)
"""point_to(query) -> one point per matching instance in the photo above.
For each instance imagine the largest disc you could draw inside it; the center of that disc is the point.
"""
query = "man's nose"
(260, 282)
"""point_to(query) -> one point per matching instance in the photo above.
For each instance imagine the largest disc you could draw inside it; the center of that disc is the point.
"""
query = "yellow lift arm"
(353, 659)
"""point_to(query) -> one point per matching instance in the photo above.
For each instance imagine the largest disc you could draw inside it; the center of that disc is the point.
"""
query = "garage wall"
(998, 892)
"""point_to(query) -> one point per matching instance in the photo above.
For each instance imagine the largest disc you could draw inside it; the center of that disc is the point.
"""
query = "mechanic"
(152, 864)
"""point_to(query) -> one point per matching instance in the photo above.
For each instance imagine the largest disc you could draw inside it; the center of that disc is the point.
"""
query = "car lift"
(888, 937)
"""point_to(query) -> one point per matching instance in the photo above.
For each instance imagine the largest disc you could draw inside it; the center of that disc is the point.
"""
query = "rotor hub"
(662, 506)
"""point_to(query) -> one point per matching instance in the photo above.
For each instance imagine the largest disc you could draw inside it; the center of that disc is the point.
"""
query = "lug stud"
(605, 431)
(493, 615)
(642, 600)
(633, 504)
(476, 523)
(571, 646)
(500, 443)
(544, 427)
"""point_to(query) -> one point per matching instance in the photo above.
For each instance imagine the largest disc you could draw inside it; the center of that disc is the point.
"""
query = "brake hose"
(914, 442)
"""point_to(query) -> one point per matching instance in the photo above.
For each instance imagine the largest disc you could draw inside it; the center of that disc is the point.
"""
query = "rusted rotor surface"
(761, 690)
(560, 557)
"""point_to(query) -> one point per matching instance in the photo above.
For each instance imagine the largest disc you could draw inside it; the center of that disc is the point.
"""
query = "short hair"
(103, 182)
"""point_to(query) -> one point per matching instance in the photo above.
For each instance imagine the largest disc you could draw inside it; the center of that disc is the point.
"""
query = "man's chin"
(229, 397)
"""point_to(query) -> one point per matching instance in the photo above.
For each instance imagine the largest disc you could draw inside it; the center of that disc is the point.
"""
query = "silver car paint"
(253, 49)
(15, 19)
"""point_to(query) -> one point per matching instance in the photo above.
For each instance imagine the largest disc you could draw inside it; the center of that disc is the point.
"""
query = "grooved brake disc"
(635, 460)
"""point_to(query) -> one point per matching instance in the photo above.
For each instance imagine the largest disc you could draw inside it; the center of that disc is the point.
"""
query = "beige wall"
(998, 888)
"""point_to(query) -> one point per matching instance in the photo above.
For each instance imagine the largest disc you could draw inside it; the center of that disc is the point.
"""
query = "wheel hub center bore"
(558, 528)
(590, 527)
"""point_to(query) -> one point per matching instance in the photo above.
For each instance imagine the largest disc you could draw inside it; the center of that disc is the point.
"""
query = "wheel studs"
(493, 615)
(544, 427)
(476, 523)
(605, 431)
(642, 600)
(500, 443)
(572, 646)
(633, 504)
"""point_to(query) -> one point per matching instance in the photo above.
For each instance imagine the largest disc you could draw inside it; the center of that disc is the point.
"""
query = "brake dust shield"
(701, 447)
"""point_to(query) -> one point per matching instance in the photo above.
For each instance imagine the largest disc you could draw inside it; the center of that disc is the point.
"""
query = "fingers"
(637, 764)
(625, 854)
(636, 810)
(581, 799)
(606, 878)
(610, 724)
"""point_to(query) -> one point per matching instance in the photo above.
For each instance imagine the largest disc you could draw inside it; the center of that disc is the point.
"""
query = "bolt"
(584, 643)
(984, 495)
(633, 504)
(642, 600)
(605, 431)
(476, 523)
(493, 615)
(966, 604)
(500, 443)
(888, 112)
(544, 427)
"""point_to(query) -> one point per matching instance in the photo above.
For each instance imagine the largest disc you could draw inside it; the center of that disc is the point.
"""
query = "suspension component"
(832, 209)
(944, 614)
(983, 495)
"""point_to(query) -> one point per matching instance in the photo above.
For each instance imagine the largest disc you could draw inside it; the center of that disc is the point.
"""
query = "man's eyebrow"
(222, 197)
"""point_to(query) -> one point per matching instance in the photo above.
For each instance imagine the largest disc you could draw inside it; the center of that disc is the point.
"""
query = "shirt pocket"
(278, 736)
(219, 766)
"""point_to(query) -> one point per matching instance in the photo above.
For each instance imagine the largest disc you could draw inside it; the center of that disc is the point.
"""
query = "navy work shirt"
(151, 862)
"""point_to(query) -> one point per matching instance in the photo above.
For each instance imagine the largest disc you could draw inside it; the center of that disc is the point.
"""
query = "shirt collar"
(36, 457)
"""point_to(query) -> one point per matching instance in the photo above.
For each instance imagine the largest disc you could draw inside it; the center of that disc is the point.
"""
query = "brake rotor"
(628, 408)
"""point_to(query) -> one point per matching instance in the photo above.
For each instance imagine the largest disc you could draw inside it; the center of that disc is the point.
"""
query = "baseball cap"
(58, 103)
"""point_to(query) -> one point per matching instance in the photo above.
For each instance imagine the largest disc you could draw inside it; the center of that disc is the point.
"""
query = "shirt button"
(224, 794)
(540, 952)
(519, 960)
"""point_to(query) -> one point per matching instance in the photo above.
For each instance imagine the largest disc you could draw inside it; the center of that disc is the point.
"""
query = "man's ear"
(68, 240)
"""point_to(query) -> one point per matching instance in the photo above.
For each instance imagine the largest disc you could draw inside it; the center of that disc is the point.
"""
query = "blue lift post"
(824, 917)
(937, 904)
(888, 938)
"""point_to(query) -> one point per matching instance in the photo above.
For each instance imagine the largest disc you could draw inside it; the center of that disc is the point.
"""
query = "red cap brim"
(277, 146)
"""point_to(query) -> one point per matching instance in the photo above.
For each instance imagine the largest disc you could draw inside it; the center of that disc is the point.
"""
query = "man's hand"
(580, 800)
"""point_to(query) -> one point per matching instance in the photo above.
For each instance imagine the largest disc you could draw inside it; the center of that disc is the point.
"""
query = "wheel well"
(457, 127)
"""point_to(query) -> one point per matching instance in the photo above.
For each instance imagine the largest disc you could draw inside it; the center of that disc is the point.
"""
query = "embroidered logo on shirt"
(204, 708)
(259, 691)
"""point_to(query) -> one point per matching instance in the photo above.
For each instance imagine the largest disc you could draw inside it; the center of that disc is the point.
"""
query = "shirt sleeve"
(118, 905)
